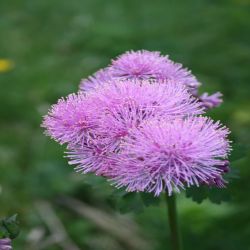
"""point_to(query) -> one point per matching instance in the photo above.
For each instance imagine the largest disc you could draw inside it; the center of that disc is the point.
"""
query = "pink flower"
(136, 123)
(70, 120)
(92, 156)
(167, 155)
(96, 80)
(211, 101)
(142, 65)
(115, 109)
(5, 244)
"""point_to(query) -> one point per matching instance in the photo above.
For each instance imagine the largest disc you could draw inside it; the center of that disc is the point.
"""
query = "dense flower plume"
(162, 155)
(211, 101)
(100, 77)
(137, 122)
(142, 65)
(70, 119)
(147, 65)
(5, 244)
(139, 65)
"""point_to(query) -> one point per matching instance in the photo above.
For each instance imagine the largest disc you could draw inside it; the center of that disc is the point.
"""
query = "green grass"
(54, 44)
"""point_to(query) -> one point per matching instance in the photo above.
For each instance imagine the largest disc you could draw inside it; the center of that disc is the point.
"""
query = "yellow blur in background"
(6, 65)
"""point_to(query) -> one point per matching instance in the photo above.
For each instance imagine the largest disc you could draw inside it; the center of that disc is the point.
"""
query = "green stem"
(173, 222)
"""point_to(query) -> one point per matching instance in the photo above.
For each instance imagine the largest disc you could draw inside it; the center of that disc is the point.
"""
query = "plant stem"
(173, 222)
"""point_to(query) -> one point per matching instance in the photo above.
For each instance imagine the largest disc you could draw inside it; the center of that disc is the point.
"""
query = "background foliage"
(51, 45)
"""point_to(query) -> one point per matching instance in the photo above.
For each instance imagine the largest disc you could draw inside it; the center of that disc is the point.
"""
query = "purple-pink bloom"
(76, 118)
(147, 65)
(96, 80)
(218, 181)
(93, 156)
(135, 122)
(70, 120)
(116, 108)
(171, 99)
(169, 155)
(123, 106)
(211, 101)
(142, 65)
(5, 244)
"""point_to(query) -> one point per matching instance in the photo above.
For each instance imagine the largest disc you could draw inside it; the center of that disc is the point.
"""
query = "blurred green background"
(46, 47)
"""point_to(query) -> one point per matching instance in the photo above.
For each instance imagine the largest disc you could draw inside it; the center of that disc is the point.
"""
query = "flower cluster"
(147, 65)
(138, 123)
(5, 244)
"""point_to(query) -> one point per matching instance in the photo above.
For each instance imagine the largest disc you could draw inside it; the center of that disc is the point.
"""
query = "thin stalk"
(173, 222)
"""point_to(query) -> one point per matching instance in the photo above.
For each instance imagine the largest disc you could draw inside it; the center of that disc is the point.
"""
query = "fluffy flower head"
(93, 156)
(136, 123)
(211, 101)
(96, 80)
(123, 105)
(173, 99)
(167, 155)
(70, 120)
(138, 65)
(5, 244)
(117, 108)
(142, 65)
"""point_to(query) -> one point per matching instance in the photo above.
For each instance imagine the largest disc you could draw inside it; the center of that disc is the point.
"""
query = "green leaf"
(127, 202)
(11, 224)
(130, 202)
(197, 194)
(149, 199)
(118, 193)
(239, 151)
(215, 195)
(3, 232)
